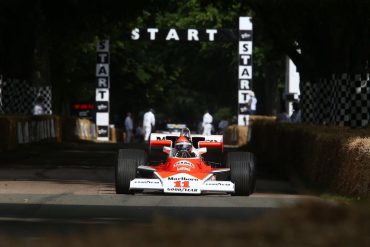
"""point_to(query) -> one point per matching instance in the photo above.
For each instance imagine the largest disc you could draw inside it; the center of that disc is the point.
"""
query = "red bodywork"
(184, 170)
(194, 166)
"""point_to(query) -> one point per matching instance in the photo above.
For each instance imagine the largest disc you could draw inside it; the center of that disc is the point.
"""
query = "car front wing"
(183, 185)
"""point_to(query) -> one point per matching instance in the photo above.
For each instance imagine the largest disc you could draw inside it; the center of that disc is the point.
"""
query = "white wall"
(291, 83)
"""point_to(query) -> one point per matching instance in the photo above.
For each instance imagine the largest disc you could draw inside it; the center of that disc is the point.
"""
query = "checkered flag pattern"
(18, 97)
(339, 106)
(1, 96)
(342, 100)
(360, 101)
(307, 103)
(321, 92)
(46, 94)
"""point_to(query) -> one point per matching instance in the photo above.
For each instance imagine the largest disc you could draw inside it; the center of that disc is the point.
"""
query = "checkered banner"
(19, 97)
(1, 95)
(102, 90)
(341, 100)
(245, 68)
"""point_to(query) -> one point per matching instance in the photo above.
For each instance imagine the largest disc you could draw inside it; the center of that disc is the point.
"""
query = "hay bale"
(240, 135)
(7, 133)
(334, 158)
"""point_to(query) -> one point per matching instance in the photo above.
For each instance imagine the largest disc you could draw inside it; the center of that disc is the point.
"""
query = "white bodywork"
(207, 138)
(183, 183)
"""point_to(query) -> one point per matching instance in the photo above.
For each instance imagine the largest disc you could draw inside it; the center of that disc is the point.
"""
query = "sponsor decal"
(218, 184)
(244, 35)
(102, 107)
(182, 179)
(183, 169)
(243, 109)
(181, 184)
(183, 165)
(102, 131)
(182, 190)
(146, 182)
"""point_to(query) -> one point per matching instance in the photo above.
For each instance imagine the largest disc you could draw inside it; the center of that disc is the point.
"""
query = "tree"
(320, 37)
(178, 80)
(185, 78)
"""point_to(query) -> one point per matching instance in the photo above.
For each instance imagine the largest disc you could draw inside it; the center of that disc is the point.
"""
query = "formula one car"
(184, 170)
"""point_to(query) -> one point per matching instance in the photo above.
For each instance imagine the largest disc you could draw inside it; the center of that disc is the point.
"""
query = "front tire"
(242, 172)
(126, 169)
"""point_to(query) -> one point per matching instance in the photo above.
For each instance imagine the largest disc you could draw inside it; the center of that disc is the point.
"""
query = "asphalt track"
(70, 187)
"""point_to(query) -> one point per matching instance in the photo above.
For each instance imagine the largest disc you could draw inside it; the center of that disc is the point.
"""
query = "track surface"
(51, 187)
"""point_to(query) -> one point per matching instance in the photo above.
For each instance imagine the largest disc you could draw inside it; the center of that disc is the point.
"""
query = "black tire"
(126, 169)
(252, 173)
(242, 172)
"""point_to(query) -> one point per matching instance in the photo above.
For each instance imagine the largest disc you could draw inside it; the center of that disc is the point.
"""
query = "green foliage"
(177, 79)
(181, 79)
(223, 113)
(321, 37)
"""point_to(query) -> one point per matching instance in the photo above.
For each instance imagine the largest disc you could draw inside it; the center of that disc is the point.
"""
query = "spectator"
(207, 123)
(129, 126)
(252, 103)
(296, 115)
(139, 133)
(38, 108)
(200, 127)
(148, 123)
(222, 125)
(283, 117)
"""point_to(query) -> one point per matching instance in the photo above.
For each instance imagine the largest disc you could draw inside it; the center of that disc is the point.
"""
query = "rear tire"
(126, 169)
(242, 172)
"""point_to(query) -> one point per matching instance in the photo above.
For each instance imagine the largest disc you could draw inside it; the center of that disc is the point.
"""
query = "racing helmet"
(186, 132)
(183, 144)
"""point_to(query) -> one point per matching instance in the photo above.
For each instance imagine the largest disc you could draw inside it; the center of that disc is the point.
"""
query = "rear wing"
(176, 126)
(199, 141)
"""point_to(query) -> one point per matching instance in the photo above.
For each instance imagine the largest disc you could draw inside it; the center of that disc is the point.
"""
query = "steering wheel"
(183, 154)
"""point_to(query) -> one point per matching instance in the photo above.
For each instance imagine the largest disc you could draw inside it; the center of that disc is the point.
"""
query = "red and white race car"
(184, 170)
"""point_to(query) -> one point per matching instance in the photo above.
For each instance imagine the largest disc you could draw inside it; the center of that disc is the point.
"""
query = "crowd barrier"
(117, 135)
(18, 130)
(21, 129)
(74, 128)
(15, 130)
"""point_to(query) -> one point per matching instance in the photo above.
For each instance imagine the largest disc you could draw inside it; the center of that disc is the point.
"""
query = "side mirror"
(202, 150)
(167, 150)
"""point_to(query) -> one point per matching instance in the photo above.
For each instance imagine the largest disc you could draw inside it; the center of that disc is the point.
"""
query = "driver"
(183, 147)
(186, 132)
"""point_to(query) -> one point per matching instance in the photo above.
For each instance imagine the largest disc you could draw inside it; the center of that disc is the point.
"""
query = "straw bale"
(7, 133)
(355, 174)
(236, 135)
(4, 132)
(334, 158)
